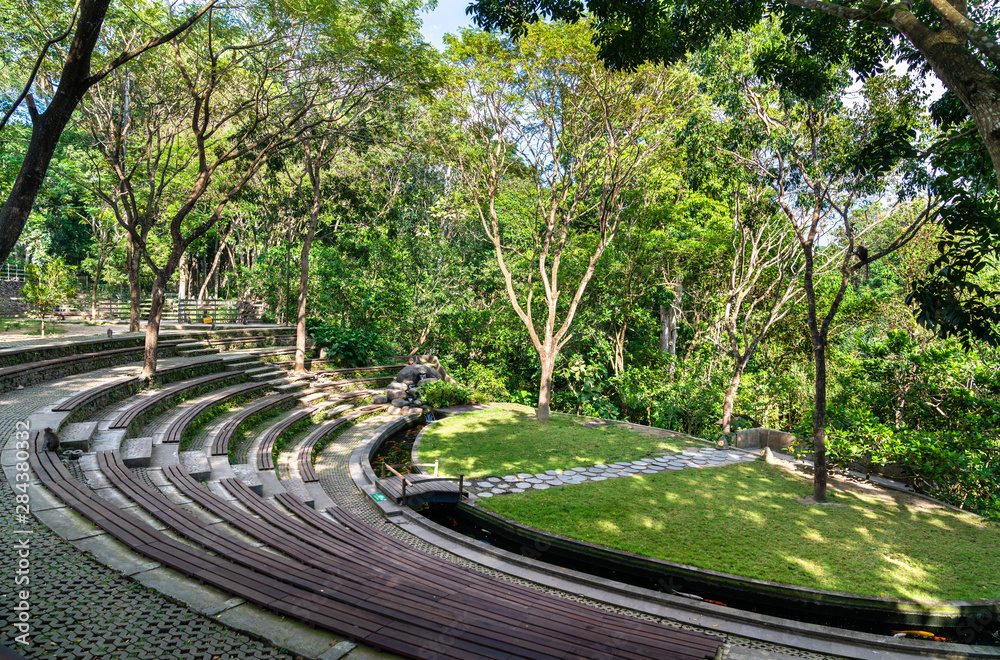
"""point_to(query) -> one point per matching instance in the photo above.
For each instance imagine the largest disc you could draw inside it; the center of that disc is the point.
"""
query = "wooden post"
(383, 470)
(436, 461)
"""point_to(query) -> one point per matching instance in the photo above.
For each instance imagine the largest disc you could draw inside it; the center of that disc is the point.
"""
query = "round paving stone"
(510, 478)
(522, 485)
(516, 490)
(556, 482)
(602, 467)
(524, 475)
(552, 472)
(485, 494)
(544, 477)
(494, 480)
(499, 491)
(503, 484)
(540, 486)
(533, 480)
(675, 467)
(650, 471)
(484, 484)
(599, 479)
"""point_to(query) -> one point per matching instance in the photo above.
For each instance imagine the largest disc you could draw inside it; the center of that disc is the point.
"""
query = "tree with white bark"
(548, 111)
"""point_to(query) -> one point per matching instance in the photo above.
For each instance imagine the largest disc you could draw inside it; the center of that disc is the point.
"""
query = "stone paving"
(689, 458)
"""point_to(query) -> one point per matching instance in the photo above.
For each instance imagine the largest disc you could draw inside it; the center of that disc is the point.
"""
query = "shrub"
(439, 394)
(484, 382)
(346, 347)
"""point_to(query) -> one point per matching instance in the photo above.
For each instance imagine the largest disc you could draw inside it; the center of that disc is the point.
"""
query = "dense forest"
(755, 231)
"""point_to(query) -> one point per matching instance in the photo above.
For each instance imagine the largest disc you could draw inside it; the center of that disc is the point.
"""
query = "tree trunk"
(669, 318)
(159, 297)
(47, 127)
(43, 325)
(133, 262)
(93, 291)
(212, 270)
(978, 88)
(182, 279)
(300, 321)
(730, 400)
(548, 360)
(819, 423)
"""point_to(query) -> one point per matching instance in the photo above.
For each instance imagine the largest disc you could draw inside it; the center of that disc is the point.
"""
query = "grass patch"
(29, 327)
(508, 441)
(745, 519)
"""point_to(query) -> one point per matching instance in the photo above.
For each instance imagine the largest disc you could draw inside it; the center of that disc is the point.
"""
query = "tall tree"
(546, 110)
(60, 89)
(954, 38)
(823, 163)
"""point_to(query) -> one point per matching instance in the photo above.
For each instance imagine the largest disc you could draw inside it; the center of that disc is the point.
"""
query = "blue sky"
(446, 19)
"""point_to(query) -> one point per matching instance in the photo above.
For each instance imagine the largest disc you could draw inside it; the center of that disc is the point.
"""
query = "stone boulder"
(397, 386)
(380, 398)
(410, 374)
(400, 403)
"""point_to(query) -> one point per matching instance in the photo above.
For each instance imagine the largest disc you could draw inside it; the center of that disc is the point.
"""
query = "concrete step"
(298, 489)
(196, 463)
(261, 376)
(198, 352)
(189, 345)
(77, 435)
(248, 475)
(242, 366)
(263, 368)
(292, 386)
(137, 452)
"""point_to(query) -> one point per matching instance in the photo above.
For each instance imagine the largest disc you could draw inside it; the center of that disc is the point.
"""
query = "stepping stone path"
(689, 458)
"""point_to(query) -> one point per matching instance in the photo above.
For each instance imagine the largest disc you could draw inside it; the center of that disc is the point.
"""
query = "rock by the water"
(411, 373)
(400, 403)
(397, 386)
(380, 398)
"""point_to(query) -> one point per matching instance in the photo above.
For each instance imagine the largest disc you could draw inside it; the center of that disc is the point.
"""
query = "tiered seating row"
(306, 472)
(141, 410)
(30, 373)
(220, 444)
(179, 425)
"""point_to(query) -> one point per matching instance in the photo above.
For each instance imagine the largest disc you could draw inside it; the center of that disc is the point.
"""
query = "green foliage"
(346, 347)
(485, 383)
(440, 394)
(46, 287)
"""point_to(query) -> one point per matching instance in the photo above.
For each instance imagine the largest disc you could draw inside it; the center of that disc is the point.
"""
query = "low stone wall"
(11, 302)
(760, 438)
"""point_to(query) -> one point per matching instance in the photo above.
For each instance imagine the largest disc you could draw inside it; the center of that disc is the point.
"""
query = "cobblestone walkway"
(689, 458)
(81, 609)
(331, 467)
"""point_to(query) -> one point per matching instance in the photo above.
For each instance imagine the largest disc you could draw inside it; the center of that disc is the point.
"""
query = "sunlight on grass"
(746, 519)
(501, 442)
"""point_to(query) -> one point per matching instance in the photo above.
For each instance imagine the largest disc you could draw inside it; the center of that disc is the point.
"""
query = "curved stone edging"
(893, 611)
(811, 637)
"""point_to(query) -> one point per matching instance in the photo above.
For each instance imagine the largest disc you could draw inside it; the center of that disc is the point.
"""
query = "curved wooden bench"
(73, 362)
(481, 616)
(140, 409)
(353, 381)
(306, 472)
(220, 444)
(175, 430)
(226, 341)
(94, 393)
(358, 370)
(265, 451)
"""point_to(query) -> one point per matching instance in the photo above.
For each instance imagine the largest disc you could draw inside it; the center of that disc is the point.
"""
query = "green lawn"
(508, 441)
(746, 519)
(29, 327)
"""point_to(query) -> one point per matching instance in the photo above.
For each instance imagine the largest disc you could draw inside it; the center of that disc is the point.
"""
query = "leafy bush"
(439, 394)
(484, 382)
(346, 347)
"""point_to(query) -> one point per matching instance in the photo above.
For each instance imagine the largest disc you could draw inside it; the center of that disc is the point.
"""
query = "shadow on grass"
(747, 520)
(499, 442)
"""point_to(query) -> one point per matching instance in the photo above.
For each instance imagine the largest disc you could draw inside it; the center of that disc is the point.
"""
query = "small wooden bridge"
(414, 489)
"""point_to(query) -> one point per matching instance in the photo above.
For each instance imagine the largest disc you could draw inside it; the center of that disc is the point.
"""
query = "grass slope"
(746, 519)
(507, 441)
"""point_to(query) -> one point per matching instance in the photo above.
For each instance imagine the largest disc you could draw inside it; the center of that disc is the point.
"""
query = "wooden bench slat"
(175, 430)
(220, 444)
(74, 402)
(125, 419)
